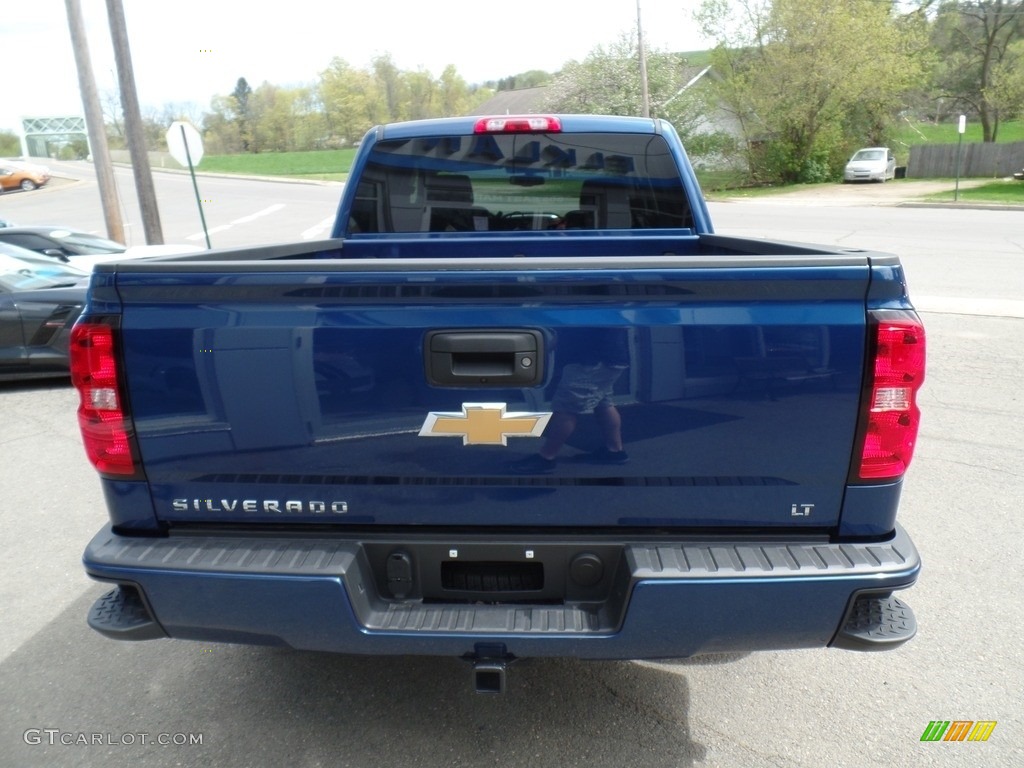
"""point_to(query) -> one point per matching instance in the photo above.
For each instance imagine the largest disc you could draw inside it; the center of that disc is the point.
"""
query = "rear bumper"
(663, 600)
(865, 175)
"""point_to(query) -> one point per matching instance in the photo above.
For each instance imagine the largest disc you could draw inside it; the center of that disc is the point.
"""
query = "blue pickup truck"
(524, 402)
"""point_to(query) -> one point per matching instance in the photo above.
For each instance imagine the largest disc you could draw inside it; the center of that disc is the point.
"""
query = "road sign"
(181, 135)
(186, 146)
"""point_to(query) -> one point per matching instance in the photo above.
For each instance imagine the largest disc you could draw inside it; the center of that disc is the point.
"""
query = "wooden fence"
(978, 160)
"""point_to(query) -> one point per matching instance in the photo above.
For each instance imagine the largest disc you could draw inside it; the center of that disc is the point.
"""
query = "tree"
(608, 82)
(221, 133)
(808, 80)
(529, 79)
(354, 100)
(10, 146)
(336, 111)
(351, 101)
(455, 96)
(981, 66)
(392, 85)
(113, 117)
(242, 112)
(421, 91)
(310, 125)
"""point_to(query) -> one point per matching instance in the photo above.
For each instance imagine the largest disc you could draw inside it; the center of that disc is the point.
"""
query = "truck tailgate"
(395, 393)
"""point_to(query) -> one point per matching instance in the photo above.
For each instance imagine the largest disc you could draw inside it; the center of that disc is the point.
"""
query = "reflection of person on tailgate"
(592, 362)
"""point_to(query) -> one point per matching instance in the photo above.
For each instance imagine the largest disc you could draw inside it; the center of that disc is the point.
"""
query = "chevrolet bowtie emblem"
(484, 424)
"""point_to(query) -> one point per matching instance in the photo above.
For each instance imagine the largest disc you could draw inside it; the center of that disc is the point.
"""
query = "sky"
(190, 50)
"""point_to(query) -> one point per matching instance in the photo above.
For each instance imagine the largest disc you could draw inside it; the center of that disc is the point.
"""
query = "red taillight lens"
(518, 124)
(106, 430)
(893, 416)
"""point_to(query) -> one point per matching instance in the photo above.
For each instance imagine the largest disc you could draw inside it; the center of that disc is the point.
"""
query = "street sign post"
(961, 127)
(186, 146)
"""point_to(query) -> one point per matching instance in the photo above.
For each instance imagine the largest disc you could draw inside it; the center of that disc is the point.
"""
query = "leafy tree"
(76, 149)
(421, 93)
(336, 111)
(310, 124)
(454, 96)
(221, 132)
(392, 85)
(242, 113)
(980, 69)
(530, 79)
(354, 100)
(608, 82)
(808, 80)
(10, 146)
(351, 101)
(270, 113)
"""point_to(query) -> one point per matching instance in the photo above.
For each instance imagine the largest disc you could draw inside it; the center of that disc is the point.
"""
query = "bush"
(74, 150)
(10, 146)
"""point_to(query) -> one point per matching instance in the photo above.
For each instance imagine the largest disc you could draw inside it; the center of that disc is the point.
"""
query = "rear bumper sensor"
(555, 596)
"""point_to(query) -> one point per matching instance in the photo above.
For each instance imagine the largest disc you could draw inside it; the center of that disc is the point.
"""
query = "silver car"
(870, 164)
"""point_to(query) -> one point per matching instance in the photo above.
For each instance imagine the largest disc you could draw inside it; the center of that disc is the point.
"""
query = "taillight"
(518, 124)
(889, 430)
(102, 416)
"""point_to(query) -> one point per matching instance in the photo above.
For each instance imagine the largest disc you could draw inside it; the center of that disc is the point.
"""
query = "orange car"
(22, 177)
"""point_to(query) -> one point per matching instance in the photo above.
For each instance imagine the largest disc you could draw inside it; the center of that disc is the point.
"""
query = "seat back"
(450, 204)
(605, 203)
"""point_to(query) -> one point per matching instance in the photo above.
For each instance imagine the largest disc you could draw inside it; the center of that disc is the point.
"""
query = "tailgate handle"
(484, 358)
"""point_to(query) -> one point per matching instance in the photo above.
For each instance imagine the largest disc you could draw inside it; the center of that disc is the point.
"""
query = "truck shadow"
(35, 385)
(268, 706)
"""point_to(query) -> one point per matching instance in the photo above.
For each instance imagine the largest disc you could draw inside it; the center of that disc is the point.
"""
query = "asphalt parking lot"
(73, 698)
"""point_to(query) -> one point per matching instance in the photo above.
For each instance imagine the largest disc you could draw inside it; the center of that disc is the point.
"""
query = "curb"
(962, 206)
(221, 175)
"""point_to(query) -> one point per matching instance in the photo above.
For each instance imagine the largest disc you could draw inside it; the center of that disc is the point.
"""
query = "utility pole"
(646, 108)
(94, 123)
(133, 125)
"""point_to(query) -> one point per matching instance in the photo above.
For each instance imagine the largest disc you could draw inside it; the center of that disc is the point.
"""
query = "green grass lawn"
(914, 132)
(1003, 192)
(321, 165)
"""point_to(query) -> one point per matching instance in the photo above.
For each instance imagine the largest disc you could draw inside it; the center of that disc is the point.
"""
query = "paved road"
(238, 211)
(257, 706)
(952, 256)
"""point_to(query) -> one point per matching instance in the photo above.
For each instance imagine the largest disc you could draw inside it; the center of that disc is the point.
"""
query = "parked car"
(871, 164)
(46, 266)
(22, 176)
(40, 299)
(82, 249)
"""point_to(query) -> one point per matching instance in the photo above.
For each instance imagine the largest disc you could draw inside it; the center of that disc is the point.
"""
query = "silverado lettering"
(255, 505)
(635, 397)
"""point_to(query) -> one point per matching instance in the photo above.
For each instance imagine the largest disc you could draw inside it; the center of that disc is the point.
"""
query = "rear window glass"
(534, 182)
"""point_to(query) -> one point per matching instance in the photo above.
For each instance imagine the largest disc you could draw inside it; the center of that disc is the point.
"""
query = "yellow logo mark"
(484, 424)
